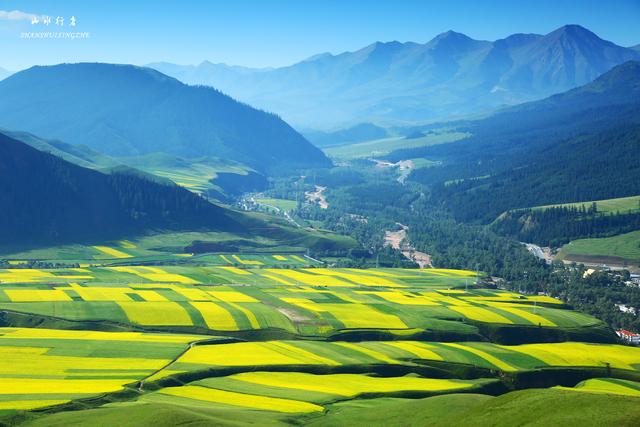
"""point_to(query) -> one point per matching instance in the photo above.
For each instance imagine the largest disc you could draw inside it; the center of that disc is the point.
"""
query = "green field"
(281, 204)
(230, 338)
(43, 367)
(302, 302)
(197, 175)
(181, 247)
(381, 147)
(621, 205)
(612, 250)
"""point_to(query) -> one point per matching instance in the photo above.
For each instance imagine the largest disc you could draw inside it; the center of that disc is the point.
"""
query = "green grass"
(45, 365)
(535, 407)
(622, 205)
(169, 412)
(197, 175)
(380, 147)
(307, 301)
(164, 247)
(423, 163)
(282, 204)
(621, 248)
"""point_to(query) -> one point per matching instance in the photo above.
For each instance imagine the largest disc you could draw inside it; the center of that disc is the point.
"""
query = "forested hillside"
(123, 110)
(48, 200)
(576, 146)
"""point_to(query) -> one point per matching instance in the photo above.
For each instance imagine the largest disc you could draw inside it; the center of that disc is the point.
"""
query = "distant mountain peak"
(125, 110)
(452, 35)
(573, 31)
(454, 42)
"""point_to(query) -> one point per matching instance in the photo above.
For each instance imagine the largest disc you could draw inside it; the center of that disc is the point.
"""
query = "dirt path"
(540, 252)
(317, 196)
(404, 168)
(397, 240)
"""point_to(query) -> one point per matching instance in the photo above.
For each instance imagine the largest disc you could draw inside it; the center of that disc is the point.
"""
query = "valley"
(373, 221)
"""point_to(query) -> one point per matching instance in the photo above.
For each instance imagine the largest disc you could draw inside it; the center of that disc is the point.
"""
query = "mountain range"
(450, 75)
(576, 146)
(123, 110)
(49, 199)
(4, 73)
(64, 202)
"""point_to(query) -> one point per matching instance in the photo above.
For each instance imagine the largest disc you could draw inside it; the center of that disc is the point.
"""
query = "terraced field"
(207, 343)
(303, 302)
(42, 367)
(126, 252)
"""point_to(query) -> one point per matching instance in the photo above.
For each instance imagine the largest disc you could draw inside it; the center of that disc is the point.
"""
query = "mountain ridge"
(65, 202)
(452, 74)
(125, 110)
(572, 147)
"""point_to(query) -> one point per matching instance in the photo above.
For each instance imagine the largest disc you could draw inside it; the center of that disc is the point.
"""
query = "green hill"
(122, 110)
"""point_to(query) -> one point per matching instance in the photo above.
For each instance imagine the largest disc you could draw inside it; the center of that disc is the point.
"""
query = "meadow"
(257, 297)
(246, 334)
(624, 248)
(381, 147)
(43, 367)
(620, 205)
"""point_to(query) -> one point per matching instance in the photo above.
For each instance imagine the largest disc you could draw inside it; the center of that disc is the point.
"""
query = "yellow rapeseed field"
(24, 275)
(231, 296)
(348, 385)
(583, 354)
(126, 244)
(402, 298)
(309, 279)
(419, 350)
(361, 279)
(352, 315)
(30, 404)
(59, 334)
(235, 270)
(480, 314)
(252, 354)
(216, 317)
(531, 317)
(367, 351)
(604, 386)
(156, 313)
(115, 253)
(246, 261)
(241, 399)
(35, 295)
(483, 354)
(58, 386)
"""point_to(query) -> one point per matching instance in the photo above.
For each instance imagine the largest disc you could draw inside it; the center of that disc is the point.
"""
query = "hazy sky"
(278, 32)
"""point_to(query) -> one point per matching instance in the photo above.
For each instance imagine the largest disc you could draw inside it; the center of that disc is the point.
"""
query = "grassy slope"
(262, 233)
(380, 147)
(623, 247)
(159, 415)
(283, 204)
(536, 407)
(622, 205)
(195, 174)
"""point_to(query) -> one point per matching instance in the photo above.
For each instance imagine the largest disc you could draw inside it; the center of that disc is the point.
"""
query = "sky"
(273, 33)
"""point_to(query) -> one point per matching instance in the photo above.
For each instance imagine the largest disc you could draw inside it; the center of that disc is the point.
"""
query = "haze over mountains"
(579, 145)
(64, 202)
(4, 73)
(450, 75)
(123, 110)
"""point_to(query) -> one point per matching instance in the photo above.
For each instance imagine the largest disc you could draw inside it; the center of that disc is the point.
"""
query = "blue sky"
(279, 32)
